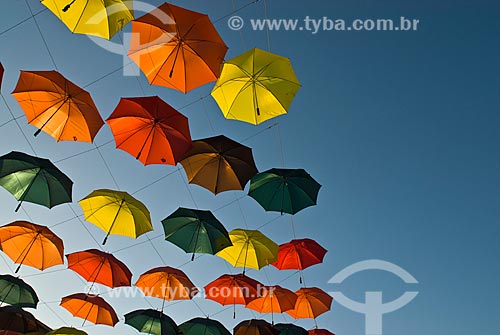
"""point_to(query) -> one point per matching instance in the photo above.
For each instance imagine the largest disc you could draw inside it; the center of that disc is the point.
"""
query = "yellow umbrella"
(255, 86)
(116, 213)
(97, 18)
(250, 249)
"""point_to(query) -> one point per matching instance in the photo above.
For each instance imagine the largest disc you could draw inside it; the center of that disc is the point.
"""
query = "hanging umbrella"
(17, 293)
(273, 299)
(318, 331)
(152, 322)
(177, 48)
(311, 303)
(99, 267)
(30, 244)
(90, 308)
(66, 331)
(255, 86)
(196, 231)
(150, 130)
(116, 213)
(34, 180)
(97, 18)
(16, 320)
(55, 105)
(233, 289)
(299, 254)
(284, 190)
(255, 327)
(250, 249)
(219, 164)
(290, 329)
(203, 326)
(166, 283)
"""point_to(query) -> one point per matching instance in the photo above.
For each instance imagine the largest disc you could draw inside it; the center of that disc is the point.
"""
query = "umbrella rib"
(113, 223)
(25, 193)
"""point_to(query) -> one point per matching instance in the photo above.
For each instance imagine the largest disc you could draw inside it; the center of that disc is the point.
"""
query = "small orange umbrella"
(30, 244)
(177, 48)
(274, 299)
(55, 105)
(233, 289)
(318, 331)
(99, 267)
(166, 283)
(151, 130)
(90, 308)
(311, 303)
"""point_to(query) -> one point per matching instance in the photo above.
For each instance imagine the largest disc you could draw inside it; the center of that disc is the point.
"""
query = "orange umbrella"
(274, 299)
(311, 303)
(318, 331)
(55, 105)
(151, 130)
(166, 283)
(233, 289)
(31, 244)
(99, 267)
(90, 308)
(177, 48)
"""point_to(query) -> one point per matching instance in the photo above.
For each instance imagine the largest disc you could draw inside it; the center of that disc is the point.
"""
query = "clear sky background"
(400, 128)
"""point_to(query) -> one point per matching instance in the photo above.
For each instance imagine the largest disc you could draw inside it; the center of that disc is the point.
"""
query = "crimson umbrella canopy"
(319, 331)
(15, 320)
(299, 254)
(255, 327)
(150, 130)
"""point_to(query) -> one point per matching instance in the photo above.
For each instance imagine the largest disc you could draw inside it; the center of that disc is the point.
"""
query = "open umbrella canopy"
(203, 326)
(284, 190)
(90, 308)
(66, 331)
(255, 86)
(255, 327)
(97, 18)
(219, 164)
(96, 266)
(273, 299)
(34, 180)
(299, 254)
(56, 106)
(196, 231)
(233, 289)
(152, 322)
(16, 320)
(311, 303)
(250, 249)
(319, 331)
(116, 213)
(290, 329)
(166, 283)
(150, 130)
(177, 48)
(30, 244)
(16, 292)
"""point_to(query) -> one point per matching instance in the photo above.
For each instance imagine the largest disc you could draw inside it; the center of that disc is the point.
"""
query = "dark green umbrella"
(19, 321)
(284, 190)
(196, 231)
(15, 292)
(152, 322)
(34, 179)
(290, 329)
(203, 326)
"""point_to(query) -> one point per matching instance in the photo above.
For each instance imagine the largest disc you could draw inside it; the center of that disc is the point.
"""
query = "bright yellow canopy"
(102, 18)
(255, 86)
(117, 213)
(250, 249)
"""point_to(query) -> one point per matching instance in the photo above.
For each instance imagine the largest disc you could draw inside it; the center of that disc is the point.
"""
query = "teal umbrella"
(203, 326)
(34, 179)
(152, 322)
(196, 231)
(290, 329)
(15, 292)
(284, 190)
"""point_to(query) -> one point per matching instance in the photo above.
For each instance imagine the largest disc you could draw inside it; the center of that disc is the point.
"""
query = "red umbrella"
(151, 130)
(318, 331)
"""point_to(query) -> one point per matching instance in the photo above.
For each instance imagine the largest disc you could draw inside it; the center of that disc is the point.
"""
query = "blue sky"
(400, 128)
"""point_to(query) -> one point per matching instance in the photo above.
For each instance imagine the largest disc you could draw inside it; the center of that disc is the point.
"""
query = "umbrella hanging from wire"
(66, 331)
(205, 326)
(273, 299)
(311, 303)
(90, 308)
(290, 329)
(152, 322)
(15, 292)
(255, 327)
(16, 320)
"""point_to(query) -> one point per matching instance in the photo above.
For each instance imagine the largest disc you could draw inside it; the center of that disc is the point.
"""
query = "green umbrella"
(66, 331)
(196, 231)
(15, 292)
(284, 190)
(152, 322)
(201, 326)
(290, 329)
(34, 179)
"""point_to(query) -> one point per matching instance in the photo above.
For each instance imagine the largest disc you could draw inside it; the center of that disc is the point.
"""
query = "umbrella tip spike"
(258, 111)
(18, 206)
(171, 73)
(192, 258)
(105, 240)
(18, 268)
